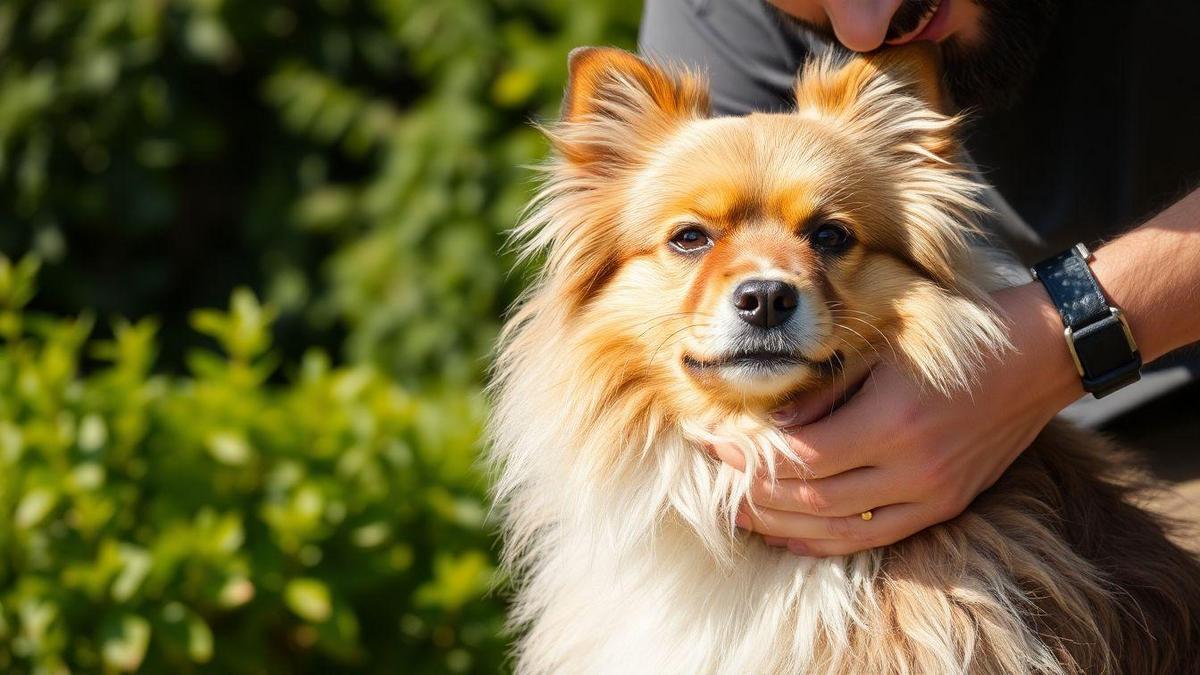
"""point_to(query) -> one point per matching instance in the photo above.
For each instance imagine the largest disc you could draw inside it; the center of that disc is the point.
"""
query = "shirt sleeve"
(747, 49)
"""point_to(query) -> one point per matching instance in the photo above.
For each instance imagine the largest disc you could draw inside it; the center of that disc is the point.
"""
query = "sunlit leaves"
(356, 165)
(309, 598)
(123, 640)
(159, 521)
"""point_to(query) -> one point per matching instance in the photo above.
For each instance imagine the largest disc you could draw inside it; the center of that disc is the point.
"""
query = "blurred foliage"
(192, 490)
(356, 161)
(217, 522)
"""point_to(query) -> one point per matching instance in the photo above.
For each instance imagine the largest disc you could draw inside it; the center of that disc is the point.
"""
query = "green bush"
(356, 162)
(215, 522)
(200, 491)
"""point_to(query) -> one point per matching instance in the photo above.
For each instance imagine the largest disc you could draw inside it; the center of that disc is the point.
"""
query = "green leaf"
(514, 87)
(457, 580)
(123, 641)
(135, 564)
(34, 507)
(229, 447)
(235, 592)
(309, 599)
(185, 628)
(92, 433)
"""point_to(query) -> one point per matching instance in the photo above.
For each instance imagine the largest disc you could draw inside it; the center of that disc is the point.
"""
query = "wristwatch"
(1097, 333)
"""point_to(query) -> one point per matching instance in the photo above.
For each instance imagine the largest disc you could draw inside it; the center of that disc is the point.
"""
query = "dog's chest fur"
(1000, 589)
(660, 608)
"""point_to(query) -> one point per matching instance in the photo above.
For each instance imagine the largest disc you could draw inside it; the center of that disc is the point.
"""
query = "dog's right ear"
(616, 104)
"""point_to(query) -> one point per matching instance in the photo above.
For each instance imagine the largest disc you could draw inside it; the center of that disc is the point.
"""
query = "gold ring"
(867, 515)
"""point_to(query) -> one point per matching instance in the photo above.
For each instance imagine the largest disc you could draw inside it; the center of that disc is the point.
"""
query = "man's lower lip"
(934, 29)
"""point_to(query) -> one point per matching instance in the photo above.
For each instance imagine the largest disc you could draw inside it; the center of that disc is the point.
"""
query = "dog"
(689, 268)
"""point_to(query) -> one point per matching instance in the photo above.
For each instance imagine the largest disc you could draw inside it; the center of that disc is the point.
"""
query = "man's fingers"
(829, 446)
(812, 406)
(810, 464)
(850, 438)
(826, 548)
(730, 454)
(846, 494)
(888, 524)
(834, 448)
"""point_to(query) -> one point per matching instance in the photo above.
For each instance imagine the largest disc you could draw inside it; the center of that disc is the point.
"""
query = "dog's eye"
(691, 240)
(831, 237)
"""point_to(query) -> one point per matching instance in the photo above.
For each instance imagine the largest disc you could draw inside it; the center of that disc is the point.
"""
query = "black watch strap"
(1097, 333)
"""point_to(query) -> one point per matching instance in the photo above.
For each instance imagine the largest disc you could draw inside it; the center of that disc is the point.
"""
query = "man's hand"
(913, 458)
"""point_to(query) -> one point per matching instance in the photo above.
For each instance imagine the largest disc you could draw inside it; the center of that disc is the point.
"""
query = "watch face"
(1098, 335)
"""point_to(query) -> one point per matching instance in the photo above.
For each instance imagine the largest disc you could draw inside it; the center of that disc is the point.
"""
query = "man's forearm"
(1153, 274)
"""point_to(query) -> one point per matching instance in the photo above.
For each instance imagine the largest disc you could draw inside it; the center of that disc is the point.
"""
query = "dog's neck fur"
(624, 568)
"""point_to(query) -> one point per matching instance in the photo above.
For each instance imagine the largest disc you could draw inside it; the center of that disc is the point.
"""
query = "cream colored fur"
(619, 526)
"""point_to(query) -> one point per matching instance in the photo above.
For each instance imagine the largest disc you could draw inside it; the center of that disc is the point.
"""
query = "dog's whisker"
(866, 342)
(662, 344)
(845, 384)
(666, 318)
(875, 328)
(669, 315)
(846, 343)
(854, 311)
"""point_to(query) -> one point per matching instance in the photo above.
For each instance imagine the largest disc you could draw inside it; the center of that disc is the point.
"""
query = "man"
(1085, 118)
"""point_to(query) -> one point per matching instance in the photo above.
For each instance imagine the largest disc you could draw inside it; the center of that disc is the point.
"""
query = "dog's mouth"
(764, 362)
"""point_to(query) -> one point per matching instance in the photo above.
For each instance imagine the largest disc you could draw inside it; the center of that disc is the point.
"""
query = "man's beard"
(991, 73)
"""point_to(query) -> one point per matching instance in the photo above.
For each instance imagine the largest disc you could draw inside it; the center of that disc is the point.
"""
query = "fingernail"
(799, 547)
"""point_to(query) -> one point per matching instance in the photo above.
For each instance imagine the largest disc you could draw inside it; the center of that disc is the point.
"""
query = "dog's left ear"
(879, 88)
(617, 105)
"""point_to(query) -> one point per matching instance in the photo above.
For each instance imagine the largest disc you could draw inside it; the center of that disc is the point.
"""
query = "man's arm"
(916, 458)
(1153, 274)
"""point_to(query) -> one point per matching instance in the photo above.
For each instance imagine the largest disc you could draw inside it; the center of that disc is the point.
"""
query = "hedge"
(217, 522)
(289, 484)
(354, 162)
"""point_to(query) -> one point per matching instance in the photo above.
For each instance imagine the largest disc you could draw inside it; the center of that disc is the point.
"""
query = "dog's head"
(739, 260)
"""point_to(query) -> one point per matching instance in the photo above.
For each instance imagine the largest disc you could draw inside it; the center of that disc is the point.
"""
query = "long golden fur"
(615, 372)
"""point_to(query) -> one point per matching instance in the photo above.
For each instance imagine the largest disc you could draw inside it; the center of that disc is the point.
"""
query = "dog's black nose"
(765, 303)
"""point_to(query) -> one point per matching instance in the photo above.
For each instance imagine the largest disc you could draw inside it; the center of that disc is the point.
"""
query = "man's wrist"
(1109, 270)
(1035, 328)
(1096, 332)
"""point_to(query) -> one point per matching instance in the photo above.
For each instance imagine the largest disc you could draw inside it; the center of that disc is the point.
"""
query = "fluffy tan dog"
(698, 272)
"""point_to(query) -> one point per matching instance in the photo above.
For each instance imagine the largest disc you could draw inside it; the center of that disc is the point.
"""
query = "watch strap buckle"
(1108, 362)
